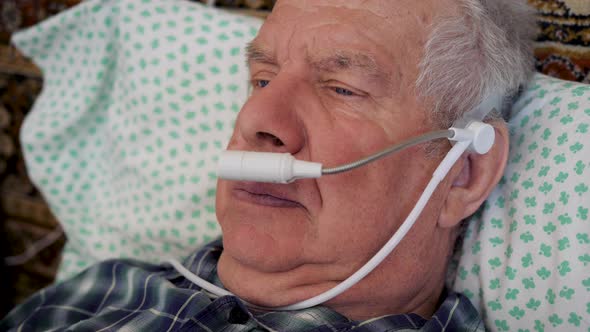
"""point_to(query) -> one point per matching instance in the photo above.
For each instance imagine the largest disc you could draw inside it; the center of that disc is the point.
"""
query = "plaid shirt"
(134, 296)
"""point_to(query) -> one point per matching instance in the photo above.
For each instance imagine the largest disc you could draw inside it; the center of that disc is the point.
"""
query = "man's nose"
(269, 120)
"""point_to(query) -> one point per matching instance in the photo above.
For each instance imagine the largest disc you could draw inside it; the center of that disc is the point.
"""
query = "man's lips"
(265, 194)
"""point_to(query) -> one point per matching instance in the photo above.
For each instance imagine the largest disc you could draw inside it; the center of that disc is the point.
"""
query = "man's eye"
(261, 83)
(343, 92)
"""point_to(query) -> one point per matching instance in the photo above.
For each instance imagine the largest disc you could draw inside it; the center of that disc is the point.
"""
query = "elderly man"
(333, 81)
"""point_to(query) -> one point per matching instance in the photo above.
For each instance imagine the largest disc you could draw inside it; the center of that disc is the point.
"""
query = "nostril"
(277, 142)
(269, 137)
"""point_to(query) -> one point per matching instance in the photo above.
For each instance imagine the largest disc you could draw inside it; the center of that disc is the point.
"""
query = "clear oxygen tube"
(284, 168)
(239, 165)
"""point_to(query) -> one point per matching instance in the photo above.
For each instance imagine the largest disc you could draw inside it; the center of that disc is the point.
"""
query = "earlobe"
(474, 179)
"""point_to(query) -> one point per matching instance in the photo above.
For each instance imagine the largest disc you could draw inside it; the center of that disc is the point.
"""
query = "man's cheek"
(221, 200)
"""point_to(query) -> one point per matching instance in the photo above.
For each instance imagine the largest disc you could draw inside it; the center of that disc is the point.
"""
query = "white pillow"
(525, 259)
(139, 97)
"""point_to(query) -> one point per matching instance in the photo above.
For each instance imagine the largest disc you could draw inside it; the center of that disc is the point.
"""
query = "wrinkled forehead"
(399, 28)
(375, 13)
(379, 8)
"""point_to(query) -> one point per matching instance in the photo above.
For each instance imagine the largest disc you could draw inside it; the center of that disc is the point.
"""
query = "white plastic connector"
(265, 167)
(481, 135)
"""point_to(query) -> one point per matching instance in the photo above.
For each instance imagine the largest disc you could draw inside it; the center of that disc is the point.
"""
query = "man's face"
(333, 82)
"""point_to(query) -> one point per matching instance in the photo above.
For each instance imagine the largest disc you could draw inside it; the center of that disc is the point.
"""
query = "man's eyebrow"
(350, 60)
(338, 61)
(255, 53)
(345, 60)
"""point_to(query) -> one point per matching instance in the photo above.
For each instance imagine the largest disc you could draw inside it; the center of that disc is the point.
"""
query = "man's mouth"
(265, 195)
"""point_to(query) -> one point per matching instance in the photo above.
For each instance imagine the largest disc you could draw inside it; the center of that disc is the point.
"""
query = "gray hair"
(485, 50)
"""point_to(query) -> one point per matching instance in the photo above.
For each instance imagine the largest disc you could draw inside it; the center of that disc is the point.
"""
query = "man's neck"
(423, 303)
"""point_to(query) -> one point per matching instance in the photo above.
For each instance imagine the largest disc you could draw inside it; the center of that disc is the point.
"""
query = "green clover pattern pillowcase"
(139, 97)
(525, 259)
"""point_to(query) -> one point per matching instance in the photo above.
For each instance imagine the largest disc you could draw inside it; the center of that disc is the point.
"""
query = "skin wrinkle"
(363, 64)
(367, 59)
(374, 10)
(350, 215)
(265, 57)
(341, 60)
(389, 56)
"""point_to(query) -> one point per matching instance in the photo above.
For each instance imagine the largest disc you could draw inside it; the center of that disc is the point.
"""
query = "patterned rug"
(563, 45)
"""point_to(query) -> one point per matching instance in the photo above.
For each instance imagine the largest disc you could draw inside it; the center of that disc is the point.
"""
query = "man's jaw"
(278, 288)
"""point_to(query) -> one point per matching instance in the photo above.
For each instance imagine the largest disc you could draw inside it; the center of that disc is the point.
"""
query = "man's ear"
(477, 177)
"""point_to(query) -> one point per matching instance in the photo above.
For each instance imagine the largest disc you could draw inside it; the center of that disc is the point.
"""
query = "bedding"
(525, 259)
(138, 99)
(140, 96)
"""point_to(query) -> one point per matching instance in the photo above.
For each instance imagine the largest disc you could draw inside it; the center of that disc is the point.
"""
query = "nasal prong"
(265, 167)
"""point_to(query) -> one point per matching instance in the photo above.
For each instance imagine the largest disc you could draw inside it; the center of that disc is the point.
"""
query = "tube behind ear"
(476, 183)
(479, 113)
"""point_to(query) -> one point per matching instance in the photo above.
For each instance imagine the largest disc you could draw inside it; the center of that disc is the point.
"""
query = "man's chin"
(262, 252)
(267, 289)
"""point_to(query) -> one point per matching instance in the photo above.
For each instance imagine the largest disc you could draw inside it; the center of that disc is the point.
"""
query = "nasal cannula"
(476, 136)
